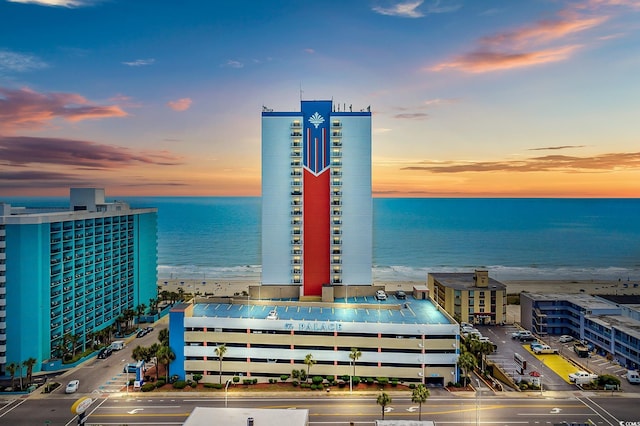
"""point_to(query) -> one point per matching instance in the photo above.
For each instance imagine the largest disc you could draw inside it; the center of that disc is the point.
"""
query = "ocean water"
(219, 237)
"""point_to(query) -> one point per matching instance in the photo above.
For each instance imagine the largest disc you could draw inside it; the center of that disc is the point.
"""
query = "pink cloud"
(478, 62)
(542, 31)
(27, 109)
(180, 105)
(527, 46)
(20, 151)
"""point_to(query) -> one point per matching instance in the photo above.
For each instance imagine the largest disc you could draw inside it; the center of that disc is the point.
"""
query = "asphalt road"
(143, 410)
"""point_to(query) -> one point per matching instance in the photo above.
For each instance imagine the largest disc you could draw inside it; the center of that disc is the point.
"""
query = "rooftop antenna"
(301, 91)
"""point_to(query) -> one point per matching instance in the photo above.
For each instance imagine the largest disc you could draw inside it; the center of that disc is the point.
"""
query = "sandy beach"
(231, 287)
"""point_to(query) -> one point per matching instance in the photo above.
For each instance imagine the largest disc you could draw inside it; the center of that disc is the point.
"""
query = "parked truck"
(582, 377)
(581, 349)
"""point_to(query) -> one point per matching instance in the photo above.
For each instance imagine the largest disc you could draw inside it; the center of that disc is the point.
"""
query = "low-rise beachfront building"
(471, 297)
(412, 340)
(67, 273)
(610, 326)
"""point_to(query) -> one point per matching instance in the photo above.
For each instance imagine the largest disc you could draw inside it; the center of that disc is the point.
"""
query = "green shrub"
(179, 384)
(412, 385)
(214, 385)
(254, 381)
(317, 380)
(345, 377)
(295, 383)
(313, 387)
(607, 379)
(355, 380)
(370, 380)
(148, 387)
(197, 377)
(247, 381)
(284, 377)
(382, 380)
(236, 379)
(160, 383)
(394, 383)
(329, 379)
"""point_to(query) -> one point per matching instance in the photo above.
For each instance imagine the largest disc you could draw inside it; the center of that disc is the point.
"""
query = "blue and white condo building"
(71, 272)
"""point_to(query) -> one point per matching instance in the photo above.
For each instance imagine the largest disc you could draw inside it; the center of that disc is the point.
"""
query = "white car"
(381, 295)
(72, 386)
(565, 338)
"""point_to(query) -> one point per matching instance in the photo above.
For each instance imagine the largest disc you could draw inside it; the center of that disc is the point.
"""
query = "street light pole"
(350, 378)
(478, 402)
(126, 369)
(226, 393)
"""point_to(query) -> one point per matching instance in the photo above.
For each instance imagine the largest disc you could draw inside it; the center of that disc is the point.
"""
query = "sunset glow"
(469, 99)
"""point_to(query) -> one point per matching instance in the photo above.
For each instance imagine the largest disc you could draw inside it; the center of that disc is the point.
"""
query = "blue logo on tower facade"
(316, 147)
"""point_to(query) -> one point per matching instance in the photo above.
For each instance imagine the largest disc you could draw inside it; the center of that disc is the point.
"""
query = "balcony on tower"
(336, 202)
(296, 260)
(336, 241)
(296, 211)
(296, 143)
(336, 260)
(336, 182)
(336, 220)
(336, 250)
(296, 231)
(336, 231)
(336, 172)
(296, 202)
(296, 182)
(336, 134)
(336, 142)
(296, 172)
(336, 124)
(335, 211)
(296, 125)
(296, 153)
(336, 152)
(296, 134)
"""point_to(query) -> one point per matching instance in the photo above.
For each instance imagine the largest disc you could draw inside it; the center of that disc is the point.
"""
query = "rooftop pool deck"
(358, 310)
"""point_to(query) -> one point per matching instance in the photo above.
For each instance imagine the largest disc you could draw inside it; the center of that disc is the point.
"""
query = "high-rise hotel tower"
(316, 197)
(68, 273)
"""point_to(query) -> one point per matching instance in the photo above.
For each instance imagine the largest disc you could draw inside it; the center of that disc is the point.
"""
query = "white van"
(633, 377)
(117, 345)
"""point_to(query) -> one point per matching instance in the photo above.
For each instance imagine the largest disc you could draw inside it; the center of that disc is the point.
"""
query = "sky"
(492, 98)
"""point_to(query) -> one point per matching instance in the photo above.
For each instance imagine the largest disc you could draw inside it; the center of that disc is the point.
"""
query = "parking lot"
(553, 368)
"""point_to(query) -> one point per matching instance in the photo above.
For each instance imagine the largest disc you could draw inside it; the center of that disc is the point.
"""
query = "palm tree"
(165, 355)
(153, 353)
(29, 363)
(139, 353)
(220, 351)
(140, 310)
(11, 369)
(383, 400)
(420, 395)
(309, 361)
(355, 355)
(467, 362)
(75, 339)
(163, 336)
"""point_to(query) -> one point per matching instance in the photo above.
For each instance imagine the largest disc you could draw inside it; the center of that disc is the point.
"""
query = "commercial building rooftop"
(359, 310)
(465, 281)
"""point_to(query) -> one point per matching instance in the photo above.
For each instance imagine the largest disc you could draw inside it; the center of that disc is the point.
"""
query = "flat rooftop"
(465, 281)
(584, 300)
(360, 310)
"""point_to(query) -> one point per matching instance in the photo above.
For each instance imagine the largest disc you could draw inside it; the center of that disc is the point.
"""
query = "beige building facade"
(474, 297)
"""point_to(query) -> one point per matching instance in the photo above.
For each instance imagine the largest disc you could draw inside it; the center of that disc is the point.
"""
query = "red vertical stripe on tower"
(316, 232)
